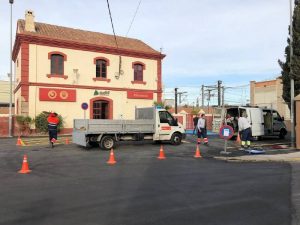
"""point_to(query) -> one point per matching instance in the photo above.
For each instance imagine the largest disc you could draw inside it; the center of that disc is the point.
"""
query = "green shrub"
(24, 120)
(23, 124)
(41, 122)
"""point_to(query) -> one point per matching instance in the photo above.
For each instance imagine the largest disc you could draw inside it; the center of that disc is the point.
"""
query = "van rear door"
(256, 119)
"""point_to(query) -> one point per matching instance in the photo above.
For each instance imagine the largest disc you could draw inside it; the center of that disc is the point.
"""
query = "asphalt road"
(70, 185)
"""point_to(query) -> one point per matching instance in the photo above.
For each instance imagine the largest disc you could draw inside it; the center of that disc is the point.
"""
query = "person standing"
(53, 122)
(195, 120)
(201, 126)
(245, 131)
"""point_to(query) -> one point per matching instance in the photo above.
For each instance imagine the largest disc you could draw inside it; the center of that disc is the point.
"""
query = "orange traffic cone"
(238, 139)
(161, 153)
(111, 160)
(67, 141)
(20, 142)
(25, 167)
(197, 153)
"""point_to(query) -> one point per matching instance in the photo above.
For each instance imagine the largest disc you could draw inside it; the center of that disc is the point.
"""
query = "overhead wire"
(112, 25)
(137, 8)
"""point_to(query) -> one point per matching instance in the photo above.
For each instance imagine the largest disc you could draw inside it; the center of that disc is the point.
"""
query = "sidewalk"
(288, 157)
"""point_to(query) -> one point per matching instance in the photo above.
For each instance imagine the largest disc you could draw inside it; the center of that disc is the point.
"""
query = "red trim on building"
(46, 41)
(139, 95)
(102, 58)
(101, 79)
(57, 76)
(21, 84)
(110, 106)
(159, 84)
(58, 53)
(140, 63)
(139, 82)
(25, 70)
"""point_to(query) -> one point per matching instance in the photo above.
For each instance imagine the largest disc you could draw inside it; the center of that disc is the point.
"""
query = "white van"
(264, 121)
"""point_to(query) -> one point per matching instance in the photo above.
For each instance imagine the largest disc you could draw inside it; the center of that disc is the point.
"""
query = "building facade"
(269, 94)
(64, 69)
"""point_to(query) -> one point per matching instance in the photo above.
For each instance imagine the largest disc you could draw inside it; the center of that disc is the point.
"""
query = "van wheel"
(107, 143)
(282, 133)
(176, 139)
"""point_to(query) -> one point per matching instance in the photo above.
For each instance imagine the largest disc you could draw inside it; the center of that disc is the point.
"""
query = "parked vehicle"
(150, 123)
(264, 121)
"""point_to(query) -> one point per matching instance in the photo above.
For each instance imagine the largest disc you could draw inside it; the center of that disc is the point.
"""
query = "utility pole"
(219, 92)
(176, 100)
(208, 99)
(291, 77)
(10, 77)
(223, 90)
(202, 89)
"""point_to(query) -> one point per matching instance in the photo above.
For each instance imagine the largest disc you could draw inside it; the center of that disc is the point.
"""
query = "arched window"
(57, 64)
(101, 68)
(138, 72)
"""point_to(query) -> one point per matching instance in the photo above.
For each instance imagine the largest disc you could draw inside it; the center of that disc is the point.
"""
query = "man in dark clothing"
(53, 121)
(195, 120)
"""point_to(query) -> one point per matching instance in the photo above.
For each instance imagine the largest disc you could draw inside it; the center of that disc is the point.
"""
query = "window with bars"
(101, 68)
(100, 110)
(138, 72)
(57, 64)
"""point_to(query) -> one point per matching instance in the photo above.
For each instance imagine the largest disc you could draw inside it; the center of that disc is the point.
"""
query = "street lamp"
(292, 93)
(10, 77)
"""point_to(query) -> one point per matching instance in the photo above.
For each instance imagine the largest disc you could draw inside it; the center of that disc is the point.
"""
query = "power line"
(137, 8)
(112, 24)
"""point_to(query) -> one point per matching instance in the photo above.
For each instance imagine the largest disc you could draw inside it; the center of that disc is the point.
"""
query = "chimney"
(29, 21)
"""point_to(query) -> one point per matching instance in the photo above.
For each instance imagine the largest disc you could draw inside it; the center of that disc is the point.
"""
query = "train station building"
(59, 68)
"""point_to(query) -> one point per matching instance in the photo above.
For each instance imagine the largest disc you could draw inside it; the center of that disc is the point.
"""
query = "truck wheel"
(176, 139)
(282, 133)
(107, 142)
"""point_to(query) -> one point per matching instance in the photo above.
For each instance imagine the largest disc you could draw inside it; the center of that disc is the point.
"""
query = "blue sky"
(204, 40)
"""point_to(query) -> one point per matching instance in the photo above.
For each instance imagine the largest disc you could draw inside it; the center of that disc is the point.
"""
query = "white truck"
(264, 121)
(150, 123)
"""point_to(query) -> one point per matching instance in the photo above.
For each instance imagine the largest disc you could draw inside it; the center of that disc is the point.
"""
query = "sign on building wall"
(140, 94)
(58, 95)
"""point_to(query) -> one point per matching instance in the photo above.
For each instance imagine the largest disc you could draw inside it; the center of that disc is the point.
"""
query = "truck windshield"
(166, 117)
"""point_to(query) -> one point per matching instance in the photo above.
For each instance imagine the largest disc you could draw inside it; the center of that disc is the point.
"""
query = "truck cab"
(168, 128)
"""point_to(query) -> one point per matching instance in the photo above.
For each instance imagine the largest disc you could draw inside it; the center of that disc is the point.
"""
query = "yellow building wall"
(39, 67)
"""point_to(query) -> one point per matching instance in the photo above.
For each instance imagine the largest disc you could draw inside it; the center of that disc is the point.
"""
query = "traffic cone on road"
(161, 153)
(67, 141)
(20, 142)
(197, 153)
(238, 139)
(111, 160)
(25, 167)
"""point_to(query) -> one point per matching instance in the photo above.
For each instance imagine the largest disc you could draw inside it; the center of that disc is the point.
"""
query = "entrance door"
(100, 109)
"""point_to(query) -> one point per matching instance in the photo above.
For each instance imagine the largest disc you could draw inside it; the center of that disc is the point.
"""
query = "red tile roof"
(86, 37)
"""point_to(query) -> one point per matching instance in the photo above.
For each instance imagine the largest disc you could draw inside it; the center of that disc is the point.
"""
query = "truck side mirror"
(282, 118)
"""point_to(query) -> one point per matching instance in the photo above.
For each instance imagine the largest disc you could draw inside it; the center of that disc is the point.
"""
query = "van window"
(276, 116)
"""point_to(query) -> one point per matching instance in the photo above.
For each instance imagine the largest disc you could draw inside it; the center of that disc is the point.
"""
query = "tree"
(295, 66)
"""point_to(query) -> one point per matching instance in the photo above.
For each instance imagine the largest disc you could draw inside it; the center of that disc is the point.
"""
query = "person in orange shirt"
(53, 121)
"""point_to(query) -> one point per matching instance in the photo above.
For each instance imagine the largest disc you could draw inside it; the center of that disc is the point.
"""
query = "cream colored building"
(4, 91)
(59, 68)
(269, 94)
